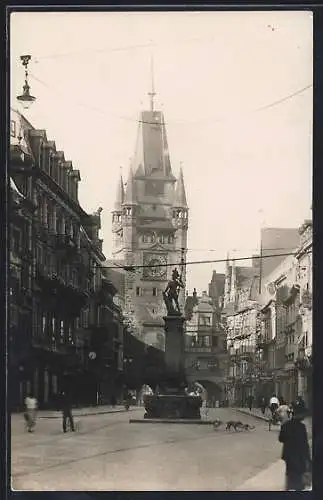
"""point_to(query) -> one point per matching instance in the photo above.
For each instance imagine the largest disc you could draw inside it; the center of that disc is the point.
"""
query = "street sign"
(92, 355)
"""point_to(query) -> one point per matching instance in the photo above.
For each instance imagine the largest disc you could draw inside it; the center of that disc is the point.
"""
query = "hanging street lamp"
(26, 99)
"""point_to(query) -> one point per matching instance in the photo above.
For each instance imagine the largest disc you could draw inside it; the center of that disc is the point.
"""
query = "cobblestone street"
(109, 453)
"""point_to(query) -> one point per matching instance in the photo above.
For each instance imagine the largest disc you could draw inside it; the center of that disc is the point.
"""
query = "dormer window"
(128, 211)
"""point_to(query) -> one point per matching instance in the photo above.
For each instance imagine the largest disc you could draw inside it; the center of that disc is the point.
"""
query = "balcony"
(65, 244)
(68, 296)
(262, 341)
(198, 348)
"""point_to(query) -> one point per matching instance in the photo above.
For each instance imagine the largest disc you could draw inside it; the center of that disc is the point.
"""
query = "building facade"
(304, 263)
(150, 223)
(241, 295)
(20, 293)
(205, 347)
(64, 274)
(286, 316)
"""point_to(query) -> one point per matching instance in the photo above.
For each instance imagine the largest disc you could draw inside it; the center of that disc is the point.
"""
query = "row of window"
(141, 291)
(160, 238)
(180, 214)
(204, 320)
(201, 364)
(55, 220)
(55, 330)
(204, 341)
(57, 171)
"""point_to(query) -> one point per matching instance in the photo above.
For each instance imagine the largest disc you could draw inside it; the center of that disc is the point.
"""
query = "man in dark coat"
(67, 411)
(296, 451)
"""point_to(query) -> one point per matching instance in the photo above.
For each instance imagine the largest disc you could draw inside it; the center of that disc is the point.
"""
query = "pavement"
(109, 454)
(78, 412)
(273, 477)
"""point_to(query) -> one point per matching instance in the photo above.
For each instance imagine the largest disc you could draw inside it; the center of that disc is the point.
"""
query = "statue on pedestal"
(171, 294)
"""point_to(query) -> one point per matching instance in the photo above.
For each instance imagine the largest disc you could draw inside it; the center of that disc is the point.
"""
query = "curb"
(254, 415)
(76, 415)
(169, 421)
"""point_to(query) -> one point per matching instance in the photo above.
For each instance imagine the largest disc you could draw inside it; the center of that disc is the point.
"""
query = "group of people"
(31, 406)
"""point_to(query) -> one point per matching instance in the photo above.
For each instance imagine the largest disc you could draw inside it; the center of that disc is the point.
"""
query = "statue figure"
(171, 293)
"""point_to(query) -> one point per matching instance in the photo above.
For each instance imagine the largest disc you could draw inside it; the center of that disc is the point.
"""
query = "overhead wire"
(213, 261)
(181, 122)
(237, 249)
(122, 48)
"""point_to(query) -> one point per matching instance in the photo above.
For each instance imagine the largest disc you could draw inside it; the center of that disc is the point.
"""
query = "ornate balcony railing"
(198, 349)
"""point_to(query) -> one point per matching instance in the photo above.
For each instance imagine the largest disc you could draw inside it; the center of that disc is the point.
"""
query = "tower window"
(155, 292)
(138, 291)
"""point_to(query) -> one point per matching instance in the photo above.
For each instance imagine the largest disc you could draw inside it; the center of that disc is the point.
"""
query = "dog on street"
(238, 425)
(217, 423)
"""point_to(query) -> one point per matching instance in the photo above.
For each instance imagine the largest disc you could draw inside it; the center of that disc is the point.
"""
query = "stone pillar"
(174, 345)
(171, 401)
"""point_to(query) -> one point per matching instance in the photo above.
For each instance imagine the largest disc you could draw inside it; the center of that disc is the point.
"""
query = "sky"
(236, 92)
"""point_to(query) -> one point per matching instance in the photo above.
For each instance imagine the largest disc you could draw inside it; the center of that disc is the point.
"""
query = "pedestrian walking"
(201, 391)
(296, 451)
(250, 401)
(283, 412)
(273, 404)
(66, 405)
(30, 414)
(300, 403)
(263, 405)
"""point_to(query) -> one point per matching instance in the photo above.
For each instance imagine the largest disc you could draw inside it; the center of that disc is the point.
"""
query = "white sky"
(242, 169)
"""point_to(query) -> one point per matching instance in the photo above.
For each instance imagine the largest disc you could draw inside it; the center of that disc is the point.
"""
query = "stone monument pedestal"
(171, 401)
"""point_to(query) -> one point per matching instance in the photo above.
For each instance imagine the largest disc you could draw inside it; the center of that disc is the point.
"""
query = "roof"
(277, 241)
(180, 195)
(151, 151)
(130, 195)
(120, 194)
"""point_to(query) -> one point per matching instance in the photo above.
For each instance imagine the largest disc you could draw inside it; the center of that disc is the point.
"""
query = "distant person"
(296, 451)
(250, 401)
(300, 403)
(283, 412)
(263, 405)
(201, 391)
(273, 404)
(66, 405)
(113, 401)
(30, 412)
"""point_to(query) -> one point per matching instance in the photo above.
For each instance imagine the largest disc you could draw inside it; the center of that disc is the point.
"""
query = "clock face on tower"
(156, 269)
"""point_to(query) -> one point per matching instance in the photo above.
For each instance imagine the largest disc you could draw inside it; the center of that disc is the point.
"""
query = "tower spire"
(152, 93)
(180, 195)
(120, 193)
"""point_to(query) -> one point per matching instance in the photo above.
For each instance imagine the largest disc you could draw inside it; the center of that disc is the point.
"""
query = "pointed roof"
(120, 195)
(151, 152)
(130, 196)
(180, 196)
